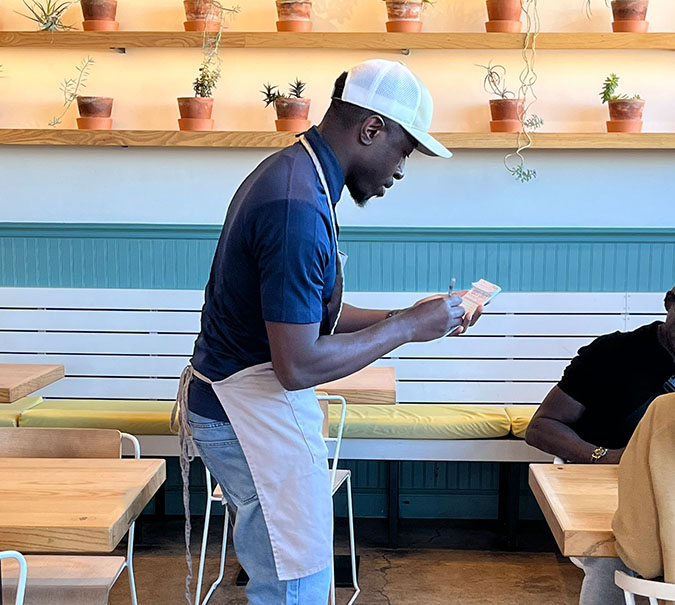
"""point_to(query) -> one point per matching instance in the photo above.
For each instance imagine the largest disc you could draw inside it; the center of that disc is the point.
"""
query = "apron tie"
(179, 424)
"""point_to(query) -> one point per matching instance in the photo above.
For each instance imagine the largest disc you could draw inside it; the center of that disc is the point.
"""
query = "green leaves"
(271, 93)
(609, 87)
(71, 87)
(48, 14)
(297, 88)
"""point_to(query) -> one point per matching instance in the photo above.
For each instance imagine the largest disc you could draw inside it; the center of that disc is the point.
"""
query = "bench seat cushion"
(520, 416)
(10, 412)
(422, 421)
(135, 417)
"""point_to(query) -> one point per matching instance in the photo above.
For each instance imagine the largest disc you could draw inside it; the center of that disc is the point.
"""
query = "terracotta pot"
(195, 113)
(408, 27)
(94, 113)
(506, 115)
(100, 26)
(625, 115)
(504, 10)
(95, 107)
(99, 10)
(404, 15)
(630, 15)
(292, 114)
(626, 109)
(294, 16)
(201, 16)
(504, 16)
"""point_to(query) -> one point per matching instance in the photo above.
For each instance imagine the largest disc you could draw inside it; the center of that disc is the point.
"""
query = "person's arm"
(302, 358)
(550, 430)
(354, 318)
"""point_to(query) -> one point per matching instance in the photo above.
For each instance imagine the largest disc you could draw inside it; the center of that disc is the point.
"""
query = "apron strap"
(179, 424)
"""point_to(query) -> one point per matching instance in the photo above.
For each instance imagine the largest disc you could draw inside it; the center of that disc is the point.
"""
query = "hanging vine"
(515, 161)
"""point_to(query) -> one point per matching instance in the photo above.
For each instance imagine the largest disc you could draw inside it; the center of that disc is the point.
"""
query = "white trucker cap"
(390, 89)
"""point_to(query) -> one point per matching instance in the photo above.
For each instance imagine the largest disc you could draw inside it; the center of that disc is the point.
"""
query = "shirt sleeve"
(590, 376)
(293, 249)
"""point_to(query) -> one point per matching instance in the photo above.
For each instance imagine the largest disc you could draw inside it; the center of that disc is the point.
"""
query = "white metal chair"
(651, 589)
(73, 443)
(338, 477)
(23, 573)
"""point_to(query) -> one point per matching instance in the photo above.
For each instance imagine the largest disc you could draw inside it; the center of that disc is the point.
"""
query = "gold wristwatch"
(598, 453)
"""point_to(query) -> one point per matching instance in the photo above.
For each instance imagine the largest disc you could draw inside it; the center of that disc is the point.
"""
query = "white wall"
(575, 188)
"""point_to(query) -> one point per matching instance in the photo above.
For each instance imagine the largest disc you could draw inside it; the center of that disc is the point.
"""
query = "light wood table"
(579, 502)
(18, 379)
(54, 505)
(372, 385)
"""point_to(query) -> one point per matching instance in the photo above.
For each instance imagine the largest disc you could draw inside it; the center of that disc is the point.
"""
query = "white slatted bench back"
(132, 344)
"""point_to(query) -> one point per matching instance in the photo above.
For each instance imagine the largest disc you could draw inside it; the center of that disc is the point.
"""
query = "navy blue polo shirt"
(275, 261)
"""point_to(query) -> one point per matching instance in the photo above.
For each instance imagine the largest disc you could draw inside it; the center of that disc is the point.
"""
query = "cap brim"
(426, 144)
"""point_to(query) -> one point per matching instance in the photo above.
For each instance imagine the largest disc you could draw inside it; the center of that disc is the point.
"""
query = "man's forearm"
(557, 438)
(353, 319)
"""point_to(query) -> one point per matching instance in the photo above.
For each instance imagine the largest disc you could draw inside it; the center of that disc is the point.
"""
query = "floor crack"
(384, 571)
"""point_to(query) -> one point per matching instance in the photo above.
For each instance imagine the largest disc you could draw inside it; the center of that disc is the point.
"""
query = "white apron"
(280, 435)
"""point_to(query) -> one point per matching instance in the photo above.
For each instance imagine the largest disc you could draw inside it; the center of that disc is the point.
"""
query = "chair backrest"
(23, 573)
(645, 588)
(31, 442)
(324, 399)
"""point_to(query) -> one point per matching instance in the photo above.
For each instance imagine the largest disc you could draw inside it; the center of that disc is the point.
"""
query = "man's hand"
(472, 319)
(435, 317)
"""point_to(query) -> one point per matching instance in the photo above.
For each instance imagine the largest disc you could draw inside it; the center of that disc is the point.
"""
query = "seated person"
(606, 389)
(644, 524)
(590, 416)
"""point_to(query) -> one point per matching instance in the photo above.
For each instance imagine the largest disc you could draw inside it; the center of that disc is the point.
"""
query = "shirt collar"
(329, 163)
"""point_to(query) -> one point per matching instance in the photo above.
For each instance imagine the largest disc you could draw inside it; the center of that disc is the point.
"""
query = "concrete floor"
(438, 563)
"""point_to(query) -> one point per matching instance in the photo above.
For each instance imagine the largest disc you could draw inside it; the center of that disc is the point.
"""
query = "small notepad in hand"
(481, 293)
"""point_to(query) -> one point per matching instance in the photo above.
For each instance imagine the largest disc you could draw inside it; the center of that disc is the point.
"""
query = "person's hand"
(612, 456)
(472, 319)
(435, 317)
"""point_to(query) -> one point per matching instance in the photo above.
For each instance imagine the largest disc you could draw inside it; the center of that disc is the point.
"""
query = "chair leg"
(205, 538)
(332, 580)
(630, 599)
(352, 545)
(130, 564)
(223, 552)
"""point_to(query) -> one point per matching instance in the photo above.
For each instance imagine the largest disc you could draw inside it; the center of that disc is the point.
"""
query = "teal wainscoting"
(380, 258)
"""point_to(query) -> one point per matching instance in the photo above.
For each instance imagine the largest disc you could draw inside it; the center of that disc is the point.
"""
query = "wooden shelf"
(337, 40)
(260, 139)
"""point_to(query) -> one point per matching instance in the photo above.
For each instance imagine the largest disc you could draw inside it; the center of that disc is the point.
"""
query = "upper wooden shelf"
(337, 40)
(261, 139)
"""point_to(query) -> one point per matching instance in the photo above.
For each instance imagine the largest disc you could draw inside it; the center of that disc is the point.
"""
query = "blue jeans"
(223, 456)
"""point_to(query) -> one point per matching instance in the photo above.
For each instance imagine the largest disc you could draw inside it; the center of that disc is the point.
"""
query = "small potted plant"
(504, 16)
(506, 110)
(99, 15)
(195, 112)
(405, 15)
(630, 15)
(294, 15)
(292, 109)
(206, 15)
(625, 113)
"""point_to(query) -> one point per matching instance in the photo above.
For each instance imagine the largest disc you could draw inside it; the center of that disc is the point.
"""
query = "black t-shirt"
(615, 378)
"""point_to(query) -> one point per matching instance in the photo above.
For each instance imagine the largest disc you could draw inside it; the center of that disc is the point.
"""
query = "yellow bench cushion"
(520, 416)
(135, 417)
(421, 421)
(10, 412)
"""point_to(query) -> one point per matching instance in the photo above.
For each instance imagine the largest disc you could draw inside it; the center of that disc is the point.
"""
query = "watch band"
(598, 453)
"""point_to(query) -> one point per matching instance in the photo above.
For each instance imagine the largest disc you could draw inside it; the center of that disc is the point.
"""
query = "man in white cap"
(274, 326)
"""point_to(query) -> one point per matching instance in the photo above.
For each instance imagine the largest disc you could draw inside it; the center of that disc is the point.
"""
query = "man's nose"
(400, 170)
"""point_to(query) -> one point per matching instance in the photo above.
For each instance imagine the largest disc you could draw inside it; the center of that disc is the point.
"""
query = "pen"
(451, 287)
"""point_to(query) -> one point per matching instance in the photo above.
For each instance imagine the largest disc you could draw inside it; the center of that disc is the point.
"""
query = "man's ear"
(371, 128)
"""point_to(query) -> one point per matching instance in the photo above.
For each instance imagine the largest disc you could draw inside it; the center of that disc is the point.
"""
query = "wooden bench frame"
(513, 355)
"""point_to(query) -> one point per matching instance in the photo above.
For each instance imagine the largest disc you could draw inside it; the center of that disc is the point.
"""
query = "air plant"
(71, 87)
(271, 93)
(48, 14)
(608, 91)
(209, 70)
(495, 81)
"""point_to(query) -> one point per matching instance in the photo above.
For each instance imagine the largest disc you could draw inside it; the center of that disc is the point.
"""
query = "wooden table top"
(73, 505)
(579, 502)
(371, 385)
(20, 379)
